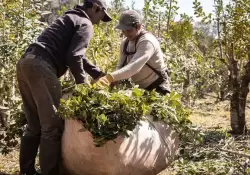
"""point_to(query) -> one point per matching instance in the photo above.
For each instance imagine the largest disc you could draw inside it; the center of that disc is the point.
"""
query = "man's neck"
(87, 11)
(137, 35)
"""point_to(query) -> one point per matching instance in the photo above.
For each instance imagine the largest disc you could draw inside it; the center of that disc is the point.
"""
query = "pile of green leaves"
(209, 157)
(109, 113)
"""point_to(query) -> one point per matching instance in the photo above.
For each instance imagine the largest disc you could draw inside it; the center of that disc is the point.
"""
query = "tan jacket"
(148, 50)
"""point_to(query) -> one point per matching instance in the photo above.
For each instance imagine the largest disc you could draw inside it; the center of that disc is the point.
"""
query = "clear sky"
(185, 6)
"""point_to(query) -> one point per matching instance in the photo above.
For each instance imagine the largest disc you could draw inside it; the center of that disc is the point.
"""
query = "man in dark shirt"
(61, 46)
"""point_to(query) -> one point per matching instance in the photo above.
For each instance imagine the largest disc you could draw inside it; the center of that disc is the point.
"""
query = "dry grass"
(210, 114)
(9, 164)
(214, 118)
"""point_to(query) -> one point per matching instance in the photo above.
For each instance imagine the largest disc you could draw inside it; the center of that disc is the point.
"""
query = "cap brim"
(123, 27)
(107, 17)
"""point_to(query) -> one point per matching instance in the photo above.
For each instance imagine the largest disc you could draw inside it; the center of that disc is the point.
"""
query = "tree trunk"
(169, 15)
(243, 96)
(221, 95)
(185, 93)
(238, 105)
(234, 104)
(239, 96)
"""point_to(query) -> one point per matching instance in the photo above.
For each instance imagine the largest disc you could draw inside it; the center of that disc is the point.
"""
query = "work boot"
(50, 156)
(38, 172)
(28, 151)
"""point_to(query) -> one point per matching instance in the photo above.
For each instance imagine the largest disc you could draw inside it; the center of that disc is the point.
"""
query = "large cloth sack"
(148, 150)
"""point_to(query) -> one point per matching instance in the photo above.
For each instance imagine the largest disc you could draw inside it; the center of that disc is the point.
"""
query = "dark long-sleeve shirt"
(66, 40)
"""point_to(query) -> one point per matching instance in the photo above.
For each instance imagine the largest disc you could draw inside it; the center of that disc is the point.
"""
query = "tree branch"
(237, 153)
(169, 15)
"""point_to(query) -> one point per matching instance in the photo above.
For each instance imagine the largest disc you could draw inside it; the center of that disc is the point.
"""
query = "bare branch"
(237, 153)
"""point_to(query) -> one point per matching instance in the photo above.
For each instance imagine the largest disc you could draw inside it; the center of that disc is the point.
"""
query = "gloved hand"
(105, 80)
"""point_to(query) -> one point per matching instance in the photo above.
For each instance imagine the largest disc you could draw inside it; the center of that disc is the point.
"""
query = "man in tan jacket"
(141, 58)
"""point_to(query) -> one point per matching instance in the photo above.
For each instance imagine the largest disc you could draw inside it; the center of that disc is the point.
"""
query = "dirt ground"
(206, 113)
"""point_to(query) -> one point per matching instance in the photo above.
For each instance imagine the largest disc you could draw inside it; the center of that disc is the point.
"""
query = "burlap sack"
(147, 151)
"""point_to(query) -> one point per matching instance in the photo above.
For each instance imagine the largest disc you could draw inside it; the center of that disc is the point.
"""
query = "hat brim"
(107, 17)
(123, 27)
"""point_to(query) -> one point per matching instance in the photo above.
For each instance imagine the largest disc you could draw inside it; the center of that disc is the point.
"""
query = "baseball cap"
(103, 5)
(128, 19)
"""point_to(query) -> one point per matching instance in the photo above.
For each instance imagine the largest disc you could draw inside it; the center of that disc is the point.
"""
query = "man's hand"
(105, 80)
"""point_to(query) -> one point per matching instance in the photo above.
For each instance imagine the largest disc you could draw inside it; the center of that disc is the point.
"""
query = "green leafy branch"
(108, 114)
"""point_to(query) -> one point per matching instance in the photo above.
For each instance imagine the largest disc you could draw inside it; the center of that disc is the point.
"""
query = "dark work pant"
(41, 92)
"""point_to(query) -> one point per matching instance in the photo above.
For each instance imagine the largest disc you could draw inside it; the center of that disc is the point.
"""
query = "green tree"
(19, 25)
(233, 36)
